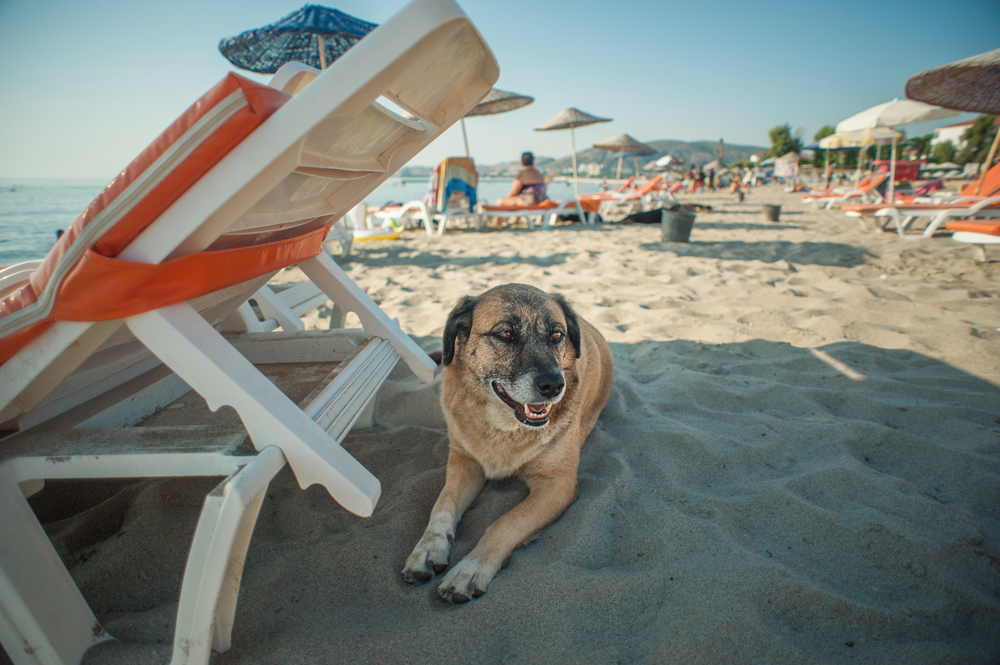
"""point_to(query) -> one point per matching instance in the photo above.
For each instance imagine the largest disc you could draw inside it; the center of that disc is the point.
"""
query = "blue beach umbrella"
(313, 35)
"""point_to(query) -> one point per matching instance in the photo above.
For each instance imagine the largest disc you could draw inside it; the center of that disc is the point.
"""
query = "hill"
(605, 163)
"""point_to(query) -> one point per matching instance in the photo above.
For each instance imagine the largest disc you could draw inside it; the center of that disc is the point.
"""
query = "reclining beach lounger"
(619, 204)
(904, 218)
(967, 197)
(978, 232)
(868, 193)
(243, 184)
(545, 212)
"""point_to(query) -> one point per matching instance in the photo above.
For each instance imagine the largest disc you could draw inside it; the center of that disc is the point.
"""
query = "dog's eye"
(505, 335)
(557, 336)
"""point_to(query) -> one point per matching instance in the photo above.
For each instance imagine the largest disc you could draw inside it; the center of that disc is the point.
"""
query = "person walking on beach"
(528, 187)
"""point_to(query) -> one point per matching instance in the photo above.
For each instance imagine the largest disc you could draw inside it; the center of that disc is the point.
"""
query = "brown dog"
(524, 381)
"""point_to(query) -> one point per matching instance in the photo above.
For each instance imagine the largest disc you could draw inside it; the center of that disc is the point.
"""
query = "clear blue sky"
(88, 83)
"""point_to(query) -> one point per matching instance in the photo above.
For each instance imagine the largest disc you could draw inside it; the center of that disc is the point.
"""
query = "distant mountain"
(605, 163)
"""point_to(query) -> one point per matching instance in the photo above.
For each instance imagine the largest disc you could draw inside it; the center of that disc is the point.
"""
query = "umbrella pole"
(618, 173)
(892, 170)
(857, 176)
(986, 165)
(465, 140)
(322, 52)
(635, 163)
(572, 144)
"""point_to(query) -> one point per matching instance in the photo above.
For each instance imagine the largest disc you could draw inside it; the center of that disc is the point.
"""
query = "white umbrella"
(896, 113)
(570, 119)
(859, 139)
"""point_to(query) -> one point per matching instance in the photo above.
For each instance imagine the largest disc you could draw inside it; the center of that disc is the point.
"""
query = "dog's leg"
(464, 479)
(548, 498)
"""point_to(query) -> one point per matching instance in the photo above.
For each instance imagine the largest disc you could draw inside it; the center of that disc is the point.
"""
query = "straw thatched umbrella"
(624, 143)
(313, 35)
(570, 119)
(972, 84)
(497, 101)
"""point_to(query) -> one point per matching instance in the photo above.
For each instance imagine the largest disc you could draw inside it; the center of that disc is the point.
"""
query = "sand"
(799, 463)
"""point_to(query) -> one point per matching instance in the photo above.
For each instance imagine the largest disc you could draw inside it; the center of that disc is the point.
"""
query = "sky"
(87, 84)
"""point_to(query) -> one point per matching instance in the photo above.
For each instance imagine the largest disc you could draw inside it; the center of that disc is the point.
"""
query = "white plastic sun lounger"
(534, 214)
(936, 217)
(245, 183)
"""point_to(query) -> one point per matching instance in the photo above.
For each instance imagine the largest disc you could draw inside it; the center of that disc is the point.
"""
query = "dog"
(523, 382)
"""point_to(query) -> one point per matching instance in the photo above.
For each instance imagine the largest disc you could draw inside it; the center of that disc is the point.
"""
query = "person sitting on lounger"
(529, 185)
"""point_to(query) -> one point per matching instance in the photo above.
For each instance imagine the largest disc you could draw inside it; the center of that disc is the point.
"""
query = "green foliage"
(819, 160)
(782, 141)
(943, 152)
(824, 131)
(978, 138)
(920, 144)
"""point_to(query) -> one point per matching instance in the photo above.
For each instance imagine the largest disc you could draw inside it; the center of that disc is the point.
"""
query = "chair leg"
(43, 616)
(341, 289)
(221, 375)
(272, 307)
(215, 562)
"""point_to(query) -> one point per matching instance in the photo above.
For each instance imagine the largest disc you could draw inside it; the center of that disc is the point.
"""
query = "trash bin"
(676, 225)
(771, 213)
(739, 196)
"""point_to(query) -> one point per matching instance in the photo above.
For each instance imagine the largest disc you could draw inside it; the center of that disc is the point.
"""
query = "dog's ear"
(572, 323)
(459, 324)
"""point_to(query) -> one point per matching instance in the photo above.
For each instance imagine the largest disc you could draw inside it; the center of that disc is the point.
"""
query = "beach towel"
(453, 174)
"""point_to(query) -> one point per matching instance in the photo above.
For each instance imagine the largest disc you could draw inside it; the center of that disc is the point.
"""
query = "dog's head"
(516, 341)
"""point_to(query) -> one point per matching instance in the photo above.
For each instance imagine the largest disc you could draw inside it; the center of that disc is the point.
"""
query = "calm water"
(33, 209)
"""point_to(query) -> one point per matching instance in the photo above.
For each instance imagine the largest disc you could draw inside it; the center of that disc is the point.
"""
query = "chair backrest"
(648, 187)
(308, 160)
(991, 184)
(625, 185)
(453, 176)
(874, 180)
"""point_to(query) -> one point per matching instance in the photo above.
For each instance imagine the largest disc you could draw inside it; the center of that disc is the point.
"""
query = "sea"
(32, 210)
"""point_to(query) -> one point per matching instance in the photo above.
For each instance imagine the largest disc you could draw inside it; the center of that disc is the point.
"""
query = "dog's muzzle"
(533, 415)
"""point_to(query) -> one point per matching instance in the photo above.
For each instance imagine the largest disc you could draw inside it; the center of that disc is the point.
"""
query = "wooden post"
(322, 52)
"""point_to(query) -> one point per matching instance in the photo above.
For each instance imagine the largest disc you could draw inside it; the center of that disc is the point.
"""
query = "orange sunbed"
(833, 192)
(988, 227)
(991, 187)
(591, 202)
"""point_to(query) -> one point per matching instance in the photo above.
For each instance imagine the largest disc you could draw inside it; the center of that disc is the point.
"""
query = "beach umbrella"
(624, 143)
(896, 113)
(858, 139)
(497, 101)
(313, 35)
(570, 119)
(972, 84)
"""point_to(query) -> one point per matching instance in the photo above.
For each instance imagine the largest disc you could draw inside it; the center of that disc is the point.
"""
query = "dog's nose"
(550, 384)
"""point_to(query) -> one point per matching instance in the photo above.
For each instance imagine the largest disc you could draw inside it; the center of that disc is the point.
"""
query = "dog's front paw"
(428, 558)
(468, 579)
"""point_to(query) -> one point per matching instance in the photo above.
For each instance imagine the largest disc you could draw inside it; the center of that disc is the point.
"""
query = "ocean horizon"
(32, 210)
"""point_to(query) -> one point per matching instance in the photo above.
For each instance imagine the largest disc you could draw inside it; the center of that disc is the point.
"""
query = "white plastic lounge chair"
(903, 219)
(245, 183)
(868, 193)
(416, 213)
(538, 214)
(977, 232)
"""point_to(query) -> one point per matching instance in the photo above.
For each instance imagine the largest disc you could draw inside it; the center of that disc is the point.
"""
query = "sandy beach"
(799, 463)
